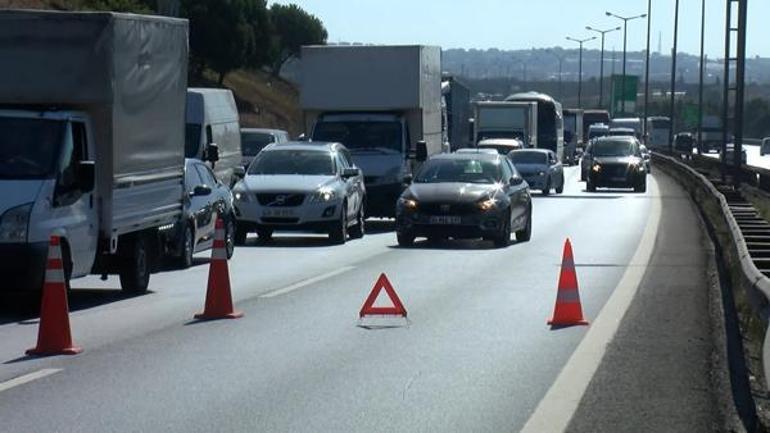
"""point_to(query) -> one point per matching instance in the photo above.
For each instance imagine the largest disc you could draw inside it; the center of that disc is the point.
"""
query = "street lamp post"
(561, 61)
(647, 75)
(601, 64)
(625, 50)
(673, 80)
(580, 68)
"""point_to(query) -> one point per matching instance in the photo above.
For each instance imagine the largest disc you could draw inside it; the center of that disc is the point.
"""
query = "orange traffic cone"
(219, 301)
(568, 311)
(53, 335)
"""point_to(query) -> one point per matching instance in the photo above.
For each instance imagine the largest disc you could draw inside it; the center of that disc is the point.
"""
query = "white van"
(213, 133)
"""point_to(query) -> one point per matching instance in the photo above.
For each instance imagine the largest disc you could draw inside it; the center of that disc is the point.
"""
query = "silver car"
(540, 168)
(308, 187)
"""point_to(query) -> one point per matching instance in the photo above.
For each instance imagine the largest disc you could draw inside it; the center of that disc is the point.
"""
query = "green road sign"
(625, 93)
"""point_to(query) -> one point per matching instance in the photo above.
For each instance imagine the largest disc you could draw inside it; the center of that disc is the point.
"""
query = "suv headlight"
(596, 168)
(241, 196)
(408, 203)
(487, 204)
(14, 224)
(323, 195)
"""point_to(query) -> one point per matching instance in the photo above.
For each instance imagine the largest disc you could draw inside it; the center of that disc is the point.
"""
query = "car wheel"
(240, 235)
(338, 235)
(503, 239)
(641, 186)
(526, 234)
(405, 239)
(230, 236)
(358, 230)
(265, 235)
(590, 186)
(187, 248)
(560, 188)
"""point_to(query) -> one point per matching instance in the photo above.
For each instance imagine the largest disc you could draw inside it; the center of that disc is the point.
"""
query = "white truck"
(494, 120)
(91, 142)
(383, 103)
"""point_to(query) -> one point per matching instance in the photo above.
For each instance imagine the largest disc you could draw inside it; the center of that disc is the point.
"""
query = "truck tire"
(135, 265)
(405, 240)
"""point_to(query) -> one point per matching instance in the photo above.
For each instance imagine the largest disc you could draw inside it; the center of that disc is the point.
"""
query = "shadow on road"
(600, 195)
(453, 245)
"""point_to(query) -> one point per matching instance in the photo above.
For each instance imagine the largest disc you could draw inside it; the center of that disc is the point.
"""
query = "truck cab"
(47, 179)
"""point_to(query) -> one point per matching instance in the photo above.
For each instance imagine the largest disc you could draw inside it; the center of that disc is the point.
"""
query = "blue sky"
(517, 24)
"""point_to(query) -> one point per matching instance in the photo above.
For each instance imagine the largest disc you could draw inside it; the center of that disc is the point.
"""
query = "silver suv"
(307, 187)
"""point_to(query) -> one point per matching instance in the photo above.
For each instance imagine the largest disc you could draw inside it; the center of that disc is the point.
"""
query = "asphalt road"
(476, 355)
(753, 158)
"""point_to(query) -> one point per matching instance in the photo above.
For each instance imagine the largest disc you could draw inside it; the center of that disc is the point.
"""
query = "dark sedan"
(617, 163)
(465, 196)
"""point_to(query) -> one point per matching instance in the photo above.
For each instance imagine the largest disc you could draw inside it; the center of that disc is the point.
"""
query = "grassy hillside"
(264, 101)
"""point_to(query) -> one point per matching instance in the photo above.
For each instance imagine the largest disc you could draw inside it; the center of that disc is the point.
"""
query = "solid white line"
(304, 283)
(21, 380)
(560, 403)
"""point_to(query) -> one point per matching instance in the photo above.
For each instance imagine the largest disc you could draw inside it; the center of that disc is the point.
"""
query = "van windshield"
(29, 147)
(381, 137)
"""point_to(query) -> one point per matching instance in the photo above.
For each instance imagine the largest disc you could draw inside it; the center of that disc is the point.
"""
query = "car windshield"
(528, 157)
(612, 148)
(382, 137)
(292, 161)
(29, 147)
(253, 142)
(460, 170)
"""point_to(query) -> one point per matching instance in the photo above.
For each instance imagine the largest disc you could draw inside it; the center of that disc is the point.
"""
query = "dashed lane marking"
(307, 282)
(21, 380)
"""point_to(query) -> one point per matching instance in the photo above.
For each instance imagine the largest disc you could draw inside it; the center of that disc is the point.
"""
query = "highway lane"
(477, 355)
(753, 158)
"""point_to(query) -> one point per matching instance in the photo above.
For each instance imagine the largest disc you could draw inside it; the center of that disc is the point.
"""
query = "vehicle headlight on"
(487, 204)
(408, 203)
(596, 168)
(14, 224)
(241, 196)
(540, 173)
(324, 195)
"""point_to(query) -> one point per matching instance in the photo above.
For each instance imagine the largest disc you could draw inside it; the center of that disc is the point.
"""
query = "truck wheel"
(339, 233)
(135, 266)
(187, 249)
(230, 236)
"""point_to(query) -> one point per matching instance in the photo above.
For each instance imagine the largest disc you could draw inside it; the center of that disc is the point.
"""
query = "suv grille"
(281, 199)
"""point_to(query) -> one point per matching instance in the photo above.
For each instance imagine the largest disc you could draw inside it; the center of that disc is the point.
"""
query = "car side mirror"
(201, 191)
(350, 172)
(408, 179)
(212, 152)
(516, 180)
(421, 151)
(86, 175)
(239, 172)
(302, 137)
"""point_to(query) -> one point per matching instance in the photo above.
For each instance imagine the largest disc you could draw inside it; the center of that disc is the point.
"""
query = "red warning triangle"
(396, 310)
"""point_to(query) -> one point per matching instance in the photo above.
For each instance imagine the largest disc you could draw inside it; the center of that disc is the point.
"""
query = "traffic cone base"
(219, 301)
(54, 337)
(568, 310)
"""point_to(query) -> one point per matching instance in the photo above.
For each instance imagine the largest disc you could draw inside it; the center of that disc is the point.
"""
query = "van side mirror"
(421, 151)
(212, 152)
(86, 175)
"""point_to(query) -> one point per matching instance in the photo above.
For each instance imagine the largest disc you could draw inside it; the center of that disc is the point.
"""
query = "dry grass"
(265, 101)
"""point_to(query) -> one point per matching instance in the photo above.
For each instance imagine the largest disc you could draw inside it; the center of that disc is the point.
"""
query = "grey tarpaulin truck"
(379, 101)
(92, 109)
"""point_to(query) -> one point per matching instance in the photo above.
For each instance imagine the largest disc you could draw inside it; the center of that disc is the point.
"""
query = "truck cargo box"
(129, 74)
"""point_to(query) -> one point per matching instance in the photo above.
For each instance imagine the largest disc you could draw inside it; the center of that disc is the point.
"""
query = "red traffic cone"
(53, 335)
(219, 301)
(568, 310)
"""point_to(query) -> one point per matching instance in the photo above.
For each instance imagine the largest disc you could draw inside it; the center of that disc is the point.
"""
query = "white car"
(307, 187)
(646, 156)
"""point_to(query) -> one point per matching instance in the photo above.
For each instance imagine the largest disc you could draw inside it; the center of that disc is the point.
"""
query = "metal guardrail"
(755, 176)
(733, 244)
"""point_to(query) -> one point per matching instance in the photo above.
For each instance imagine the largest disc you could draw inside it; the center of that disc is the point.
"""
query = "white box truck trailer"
(380, 102)
(91, 142)
(493, 119)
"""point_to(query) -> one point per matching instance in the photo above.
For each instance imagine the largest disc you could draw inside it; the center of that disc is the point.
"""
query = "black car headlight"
(487, 204)
(408, 203)
(596, 168)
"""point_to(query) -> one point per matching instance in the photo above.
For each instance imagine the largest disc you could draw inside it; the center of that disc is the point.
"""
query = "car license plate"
(277, 213)
(619, 179)
(448, 220)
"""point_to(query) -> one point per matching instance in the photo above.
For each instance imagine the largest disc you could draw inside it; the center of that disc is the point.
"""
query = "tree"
(133, 6)
(227, 34)
(292, 28)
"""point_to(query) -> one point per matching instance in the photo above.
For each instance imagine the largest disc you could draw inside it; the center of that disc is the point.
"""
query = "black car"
(617, 163)
(205, 200)
(465, 196)
(684, 142)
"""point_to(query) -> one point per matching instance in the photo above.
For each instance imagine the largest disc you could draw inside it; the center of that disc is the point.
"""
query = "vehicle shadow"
(375, 227)
(24, 307)
(279, 241)
(452, 245)
(170, 266)
(598, 195)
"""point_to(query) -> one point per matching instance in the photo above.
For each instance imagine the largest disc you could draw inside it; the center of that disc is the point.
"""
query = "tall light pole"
(673, 79)
(702, 68)
(625, 50)
(601, 64)
(580, 68)
(561, 61)
(647, 74)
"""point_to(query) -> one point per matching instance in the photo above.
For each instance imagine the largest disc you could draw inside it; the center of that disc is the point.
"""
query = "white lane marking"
(21, 380)
(560, 403)
(304, 283)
